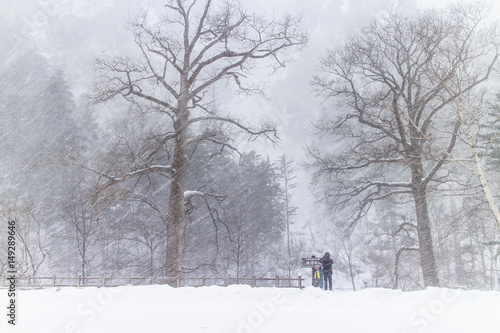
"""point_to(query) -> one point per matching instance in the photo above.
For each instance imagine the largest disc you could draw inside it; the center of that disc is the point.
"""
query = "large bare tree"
(186, 52)
(390, 81)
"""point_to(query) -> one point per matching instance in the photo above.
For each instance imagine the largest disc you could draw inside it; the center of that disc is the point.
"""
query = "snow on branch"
(191, 194)
(212, 212)
(115, 180)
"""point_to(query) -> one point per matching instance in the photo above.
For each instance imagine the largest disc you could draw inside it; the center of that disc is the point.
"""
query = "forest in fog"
(215, 138)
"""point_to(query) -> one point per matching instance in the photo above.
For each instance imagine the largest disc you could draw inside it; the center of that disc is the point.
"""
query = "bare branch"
(116, 180)
(253, 133)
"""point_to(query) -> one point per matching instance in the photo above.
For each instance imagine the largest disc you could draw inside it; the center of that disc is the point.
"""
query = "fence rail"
(39, 282)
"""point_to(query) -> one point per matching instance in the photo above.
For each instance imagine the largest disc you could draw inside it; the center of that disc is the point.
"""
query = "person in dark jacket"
(327, 263)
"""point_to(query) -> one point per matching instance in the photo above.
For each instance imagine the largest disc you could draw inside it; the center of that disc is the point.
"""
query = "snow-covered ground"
(241, 309)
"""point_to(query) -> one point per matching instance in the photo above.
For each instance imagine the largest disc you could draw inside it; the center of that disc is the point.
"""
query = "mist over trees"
(395, 86)
(155, 171)
(191, 48)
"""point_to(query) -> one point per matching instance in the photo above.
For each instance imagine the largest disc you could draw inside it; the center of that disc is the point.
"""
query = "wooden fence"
(38, 282)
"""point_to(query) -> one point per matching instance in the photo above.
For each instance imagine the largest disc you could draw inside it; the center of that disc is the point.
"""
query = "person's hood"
(327, 255)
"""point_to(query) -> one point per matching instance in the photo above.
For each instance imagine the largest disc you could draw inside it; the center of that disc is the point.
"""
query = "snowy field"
(241, 309)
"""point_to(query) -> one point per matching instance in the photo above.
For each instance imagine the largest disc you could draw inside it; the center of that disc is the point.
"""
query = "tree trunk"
(151, 262)
(485, 186)
(174, 225)
(176, 212)
(457, 249)
(427, 258)
(351, 272)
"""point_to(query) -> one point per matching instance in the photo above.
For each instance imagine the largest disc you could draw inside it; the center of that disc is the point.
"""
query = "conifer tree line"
(143, 175)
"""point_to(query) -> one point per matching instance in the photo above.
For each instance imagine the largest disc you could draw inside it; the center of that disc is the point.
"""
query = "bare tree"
(390, 81)
(287, 172)
(31, 244)
(150, 237)
(85, 224)
(288, 260)
(193, 47)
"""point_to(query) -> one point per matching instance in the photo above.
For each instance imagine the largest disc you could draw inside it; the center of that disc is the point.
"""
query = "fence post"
(104, 280)
(178, 281)
(254, 282)
(228, 282)
(300, 282)
(53, 281)
(128, 279)
(277, 281)
(153, 279)
(203, 280)
(78, 281)
(29, 278)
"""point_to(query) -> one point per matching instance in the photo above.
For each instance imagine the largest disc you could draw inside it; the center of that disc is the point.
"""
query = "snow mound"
(241, 309)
